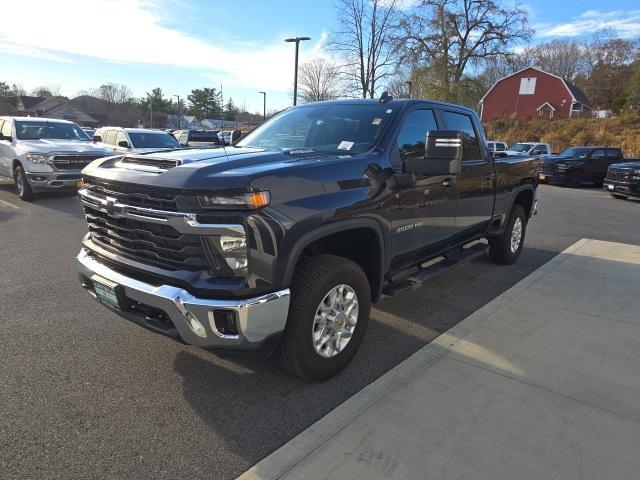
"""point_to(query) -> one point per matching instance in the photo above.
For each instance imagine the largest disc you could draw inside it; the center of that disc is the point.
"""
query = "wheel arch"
(365, 246)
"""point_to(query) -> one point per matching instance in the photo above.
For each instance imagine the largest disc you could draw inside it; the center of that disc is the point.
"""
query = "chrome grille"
(135, 196)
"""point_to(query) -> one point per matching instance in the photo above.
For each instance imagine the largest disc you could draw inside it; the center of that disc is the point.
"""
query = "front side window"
(342, 129)
(598, 154)
(413, 134)
(579, 152)
(37, 130)
(463, 123)
(152, 140)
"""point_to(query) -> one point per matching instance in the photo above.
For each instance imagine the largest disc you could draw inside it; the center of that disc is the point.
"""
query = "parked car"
(44, 154)
(283, 240)
(497, 147)
(135, 140)
(198, 138)
(229, 137)
(623, 179)
(530, 148)
(577, 165)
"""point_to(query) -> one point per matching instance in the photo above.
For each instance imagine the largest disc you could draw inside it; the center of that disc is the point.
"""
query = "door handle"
(489, 175)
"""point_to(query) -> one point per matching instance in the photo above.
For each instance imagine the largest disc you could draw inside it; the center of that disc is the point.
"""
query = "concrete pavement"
(542, 382)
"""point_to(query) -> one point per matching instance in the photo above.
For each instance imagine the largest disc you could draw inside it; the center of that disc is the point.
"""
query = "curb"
(285, 458)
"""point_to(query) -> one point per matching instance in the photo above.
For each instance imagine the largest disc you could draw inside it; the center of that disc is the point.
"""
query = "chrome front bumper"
(257, 319)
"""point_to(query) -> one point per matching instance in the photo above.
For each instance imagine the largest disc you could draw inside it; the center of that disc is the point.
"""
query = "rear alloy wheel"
(507, 247)
(328, 316)
(575, 179)
(23, 187)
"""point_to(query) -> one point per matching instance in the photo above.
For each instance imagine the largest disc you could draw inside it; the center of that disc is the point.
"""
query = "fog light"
(225, 322)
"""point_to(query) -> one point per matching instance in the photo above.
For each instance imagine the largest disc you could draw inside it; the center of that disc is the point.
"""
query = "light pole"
(178, 110)
(264, 105)
(410, 83)
(297, 41)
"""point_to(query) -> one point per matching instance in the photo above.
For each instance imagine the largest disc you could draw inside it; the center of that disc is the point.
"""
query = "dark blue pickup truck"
(283, 240)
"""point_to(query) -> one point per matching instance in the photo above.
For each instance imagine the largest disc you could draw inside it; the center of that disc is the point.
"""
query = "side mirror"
(3, 137)
(97, 138)
(442, 155)
(123, 144)
(235, 136)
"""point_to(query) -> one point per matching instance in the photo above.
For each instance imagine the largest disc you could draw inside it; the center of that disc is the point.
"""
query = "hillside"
(622, 131)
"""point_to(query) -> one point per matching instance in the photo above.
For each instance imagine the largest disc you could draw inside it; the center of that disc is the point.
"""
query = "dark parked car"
(198, 138)
(578, 165)
(284, 240)
(623, 179)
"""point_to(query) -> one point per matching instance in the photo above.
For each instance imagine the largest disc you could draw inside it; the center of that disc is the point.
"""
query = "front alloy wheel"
(335, 321)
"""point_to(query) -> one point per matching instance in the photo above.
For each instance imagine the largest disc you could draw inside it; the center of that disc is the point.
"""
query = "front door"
(596, 166)
(475, 184)
(6, 149)
(424, 219)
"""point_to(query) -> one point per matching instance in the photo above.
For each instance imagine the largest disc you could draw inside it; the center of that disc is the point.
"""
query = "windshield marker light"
(253, 200)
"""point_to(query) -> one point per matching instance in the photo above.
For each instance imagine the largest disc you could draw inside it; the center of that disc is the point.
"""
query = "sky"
(180, 45)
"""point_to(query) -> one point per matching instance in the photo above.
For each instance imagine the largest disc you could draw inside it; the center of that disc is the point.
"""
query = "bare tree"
(364, 43)
(318, 80)
(448, 36)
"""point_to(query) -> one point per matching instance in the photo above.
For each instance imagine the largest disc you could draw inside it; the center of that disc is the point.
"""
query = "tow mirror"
(442, 154)
(97, 138)
(123, 144)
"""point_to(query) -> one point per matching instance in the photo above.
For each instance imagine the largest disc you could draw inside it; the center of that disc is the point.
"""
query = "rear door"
(424, 220)
(6, 149)
(474, 187)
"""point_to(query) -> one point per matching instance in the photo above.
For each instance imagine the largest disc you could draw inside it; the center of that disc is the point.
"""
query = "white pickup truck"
(530, 148)
(42, 154)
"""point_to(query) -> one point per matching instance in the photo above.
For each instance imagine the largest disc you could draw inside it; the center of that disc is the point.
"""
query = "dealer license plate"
(107, 293)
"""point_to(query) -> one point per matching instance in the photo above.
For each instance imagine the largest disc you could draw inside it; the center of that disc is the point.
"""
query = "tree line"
(454, 50)
(121, 107)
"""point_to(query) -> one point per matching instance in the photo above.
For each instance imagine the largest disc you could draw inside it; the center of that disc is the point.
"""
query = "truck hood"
(60, 146)
(634, 163)
(212, 169)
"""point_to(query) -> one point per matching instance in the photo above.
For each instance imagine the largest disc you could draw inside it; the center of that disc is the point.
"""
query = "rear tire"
(506, 248)
(23, 188)
(619, 197)
(575, 179)
(301, 350)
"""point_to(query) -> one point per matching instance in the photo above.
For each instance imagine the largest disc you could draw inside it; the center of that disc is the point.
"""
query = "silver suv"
(135, 140)
(44, 154)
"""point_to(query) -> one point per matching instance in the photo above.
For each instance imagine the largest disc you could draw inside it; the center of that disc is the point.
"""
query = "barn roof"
(577, 94)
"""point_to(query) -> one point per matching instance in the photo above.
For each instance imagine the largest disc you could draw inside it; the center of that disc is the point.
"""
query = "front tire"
(575, 179)
(23, 187)
(507, 247)
(328, 317)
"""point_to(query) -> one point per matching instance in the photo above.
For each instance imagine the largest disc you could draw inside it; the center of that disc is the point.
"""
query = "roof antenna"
(385, 97)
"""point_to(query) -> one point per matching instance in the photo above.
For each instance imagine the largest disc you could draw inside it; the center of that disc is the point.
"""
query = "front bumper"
(258, 319)
(553, 177)
(631, 189)
(46, 181)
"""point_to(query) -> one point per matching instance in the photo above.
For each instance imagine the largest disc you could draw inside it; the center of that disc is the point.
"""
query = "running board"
(450, 259)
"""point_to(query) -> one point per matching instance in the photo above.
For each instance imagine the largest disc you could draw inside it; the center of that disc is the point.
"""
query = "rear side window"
(6, 128)
(613, 154)
(413, 134)
(110, 137)
(463, 123)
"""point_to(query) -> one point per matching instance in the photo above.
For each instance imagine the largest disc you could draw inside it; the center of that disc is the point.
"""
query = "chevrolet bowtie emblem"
(113, 208)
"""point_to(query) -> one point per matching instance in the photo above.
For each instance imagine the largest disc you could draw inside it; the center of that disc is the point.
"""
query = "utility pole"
(264, 105)
(178, 112)
(297, 41)
(151, 111)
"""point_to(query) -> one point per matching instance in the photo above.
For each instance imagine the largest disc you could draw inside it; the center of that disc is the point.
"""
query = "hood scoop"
(148, 164)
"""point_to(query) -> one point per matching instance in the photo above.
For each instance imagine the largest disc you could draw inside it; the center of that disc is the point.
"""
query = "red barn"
(533, 93)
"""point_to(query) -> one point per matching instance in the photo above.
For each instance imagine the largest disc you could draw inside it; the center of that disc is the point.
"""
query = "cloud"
(140, 32)
(626, 24)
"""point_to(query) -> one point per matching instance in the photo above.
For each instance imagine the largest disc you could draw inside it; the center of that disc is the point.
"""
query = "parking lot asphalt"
(85, 394)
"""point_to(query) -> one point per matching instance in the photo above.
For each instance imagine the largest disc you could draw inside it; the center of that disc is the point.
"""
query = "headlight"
(252, 200)
(37, 157)
(227, 255)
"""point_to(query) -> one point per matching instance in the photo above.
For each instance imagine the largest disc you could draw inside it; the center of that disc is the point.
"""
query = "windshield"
(153, 140)
(37, 130)
(343, 129)
(521, 147)
(575, 152)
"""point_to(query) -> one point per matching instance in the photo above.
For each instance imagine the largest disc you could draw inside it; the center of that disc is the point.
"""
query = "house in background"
(533, 93)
